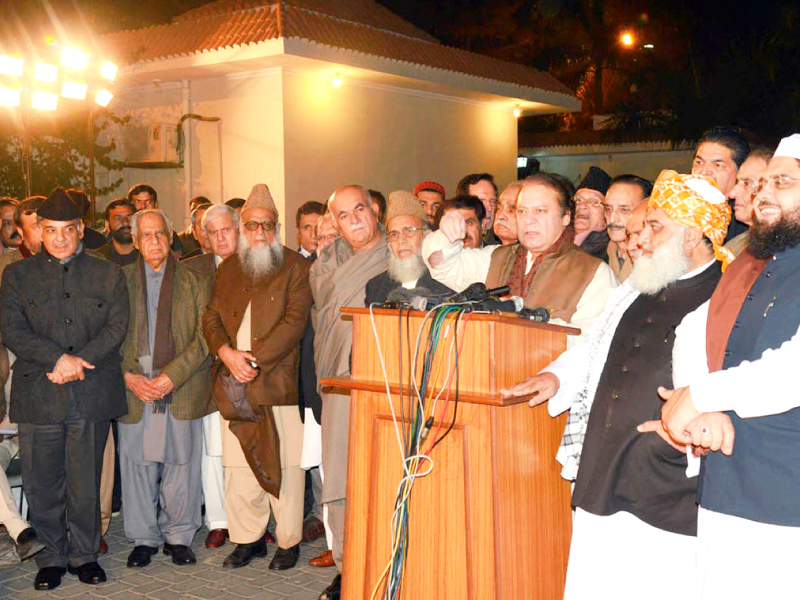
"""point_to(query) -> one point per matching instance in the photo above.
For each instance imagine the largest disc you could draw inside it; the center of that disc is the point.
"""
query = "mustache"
(357, 227)
(613, 226)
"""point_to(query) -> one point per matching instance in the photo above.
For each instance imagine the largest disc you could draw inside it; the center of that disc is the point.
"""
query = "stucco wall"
(304, 138)
(645, 164)
(385, 138)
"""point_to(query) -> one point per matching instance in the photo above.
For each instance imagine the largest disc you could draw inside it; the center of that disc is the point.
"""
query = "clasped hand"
(682, 424)
(68, 368)
(236, 361)
(146, 389)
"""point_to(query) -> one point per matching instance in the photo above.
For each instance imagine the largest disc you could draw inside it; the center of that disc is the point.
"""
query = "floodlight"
(109, 70)
(9, 97)
(627, 39)
(46, 72)
(337, 81)
(74, 59)
(517, 112)
(44, 101)
(103, 97)
(74, 90)
(10, 66)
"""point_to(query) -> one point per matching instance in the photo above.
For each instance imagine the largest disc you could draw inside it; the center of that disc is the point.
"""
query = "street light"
(9, 97)
(72, 58)
(46, 72)
(78, 77)
(11, 66)
(627, 39)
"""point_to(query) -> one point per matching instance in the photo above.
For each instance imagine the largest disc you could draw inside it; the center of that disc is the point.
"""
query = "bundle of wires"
(418, 413)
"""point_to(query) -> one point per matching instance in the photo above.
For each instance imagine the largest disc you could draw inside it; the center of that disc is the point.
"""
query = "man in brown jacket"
(167, 375)
(254, 323)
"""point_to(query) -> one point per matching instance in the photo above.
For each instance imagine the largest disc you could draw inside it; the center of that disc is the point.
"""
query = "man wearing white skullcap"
(749, 522)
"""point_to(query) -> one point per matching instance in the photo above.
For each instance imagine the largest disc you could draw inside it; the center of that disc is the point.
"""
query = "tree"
(59, 154)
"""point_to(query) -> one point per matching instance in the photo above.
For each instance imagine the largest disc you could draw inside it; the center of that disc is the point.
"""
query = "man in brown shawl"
(254, 323)
(339, 278)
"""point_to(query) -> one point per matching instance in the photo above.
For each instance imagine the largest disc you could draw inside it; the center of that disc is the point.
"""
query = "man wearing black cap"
(64, 315)
(590, 223)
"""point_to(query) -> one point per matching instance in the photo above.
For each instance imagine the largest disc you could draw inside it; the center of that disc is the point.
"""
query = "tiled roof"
(354, 25)
(592, 137)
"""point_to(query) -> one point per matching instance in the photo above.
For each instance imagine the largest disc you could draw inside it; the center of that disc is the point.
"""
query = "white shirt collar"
(698, 270)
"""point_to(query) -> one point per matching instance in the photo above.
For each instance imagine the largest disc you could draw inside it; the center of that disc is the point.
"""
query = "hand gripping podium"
(492, 520)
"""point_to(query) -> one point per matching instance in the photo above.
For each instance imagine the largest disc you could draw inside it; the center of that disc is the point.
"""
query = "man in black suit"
(406, 227)
(64, 315)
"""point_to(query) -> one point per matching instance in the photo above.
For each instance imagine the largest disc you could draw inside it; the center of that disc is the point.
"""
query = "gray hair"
(219, 210)
(150, 211)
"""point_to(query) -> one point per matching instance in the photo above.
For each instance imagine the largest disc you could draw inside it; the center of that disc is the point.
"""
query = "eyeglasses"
(777, 182)
(587, 202)
(405, 233)
(267, 226)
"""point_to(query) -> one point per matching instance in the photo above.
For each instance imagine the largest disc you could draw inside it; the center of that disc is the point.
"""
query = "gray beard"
(406, 270)
(651, 274)
(261, 261)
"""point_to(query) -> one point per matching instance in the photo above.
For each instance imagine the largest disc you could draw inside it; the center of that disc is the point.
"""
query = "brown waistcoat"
(726, 302)
(559, 282)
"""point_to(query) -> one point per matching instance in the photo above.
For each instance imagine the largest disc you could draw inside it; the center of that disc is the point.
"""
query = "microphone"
(477, 292)
(509, 304)
(537, 315)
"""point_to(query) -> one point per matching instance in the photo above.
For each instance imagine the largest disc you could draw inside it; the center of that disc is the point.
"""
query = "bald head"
(354, 217)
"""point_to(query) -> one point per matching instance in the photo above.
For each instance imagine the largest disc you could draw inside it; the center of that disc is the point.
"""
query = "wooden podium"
(492, 520)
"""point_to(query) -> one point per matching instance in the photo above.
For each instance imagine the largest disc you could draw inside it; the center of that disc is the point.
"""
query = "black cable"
(455, 405)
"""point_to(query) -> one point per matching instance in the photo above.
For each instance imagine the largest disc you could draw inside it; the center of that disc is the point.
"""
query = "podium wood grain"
(492, 520)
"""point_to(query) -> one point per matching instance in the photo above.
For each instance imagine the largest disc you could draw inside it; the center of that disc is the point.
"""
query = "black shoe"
(285, 558)
(90, 573)
(334, 590)
(49, 578)
(140, 556)
(243, 554)
(181, 555)
(28, 544)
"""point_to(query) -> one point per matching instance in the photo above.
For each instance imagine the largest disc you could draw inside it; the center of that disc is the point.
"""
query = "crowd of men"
(205, 351)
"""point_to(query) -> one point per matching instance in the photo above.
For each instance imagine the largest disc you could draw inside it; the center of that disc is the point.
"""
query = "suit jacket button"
(68, 321)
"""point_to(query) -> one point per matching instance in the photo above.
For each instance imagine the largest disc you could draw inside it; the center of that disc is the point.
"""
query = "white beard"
(406, 270)
(651, 274)
(260, 261)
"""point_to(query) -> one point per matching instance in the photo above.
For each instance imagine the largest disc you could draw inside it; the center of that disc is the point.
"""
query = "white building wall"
(386, 138)
(645, 163)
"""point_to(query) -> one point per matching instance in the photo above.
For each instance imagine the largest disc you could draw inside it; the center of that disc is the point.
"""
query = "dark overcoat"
(48, 309)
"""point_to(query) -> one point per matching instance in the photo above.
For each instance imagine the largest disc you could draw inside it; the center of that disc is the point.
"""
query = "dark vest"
(622, 469)
(760, 481)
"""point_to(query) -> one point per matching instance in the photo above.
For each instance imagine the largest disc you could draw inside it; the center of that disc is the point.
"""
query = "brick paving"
(162, 580)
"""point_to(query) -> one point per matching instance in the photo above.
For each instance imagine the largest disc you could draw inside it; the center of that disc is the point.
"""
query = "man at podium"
(536, 268)
(634, 495)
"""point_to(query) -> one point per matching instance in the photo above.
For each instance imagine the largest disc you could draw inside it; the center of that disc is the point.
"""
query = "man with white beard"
(406, 227)
(254, 323)
(635, 505)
